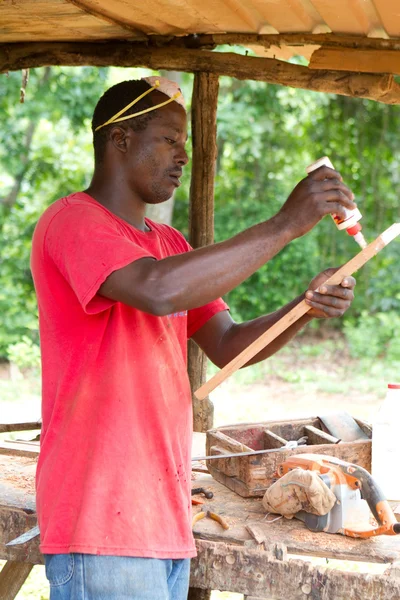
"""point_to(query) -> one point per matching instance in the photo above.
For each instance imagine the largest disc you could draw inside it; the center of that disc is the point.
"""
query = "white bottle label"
(352, 216)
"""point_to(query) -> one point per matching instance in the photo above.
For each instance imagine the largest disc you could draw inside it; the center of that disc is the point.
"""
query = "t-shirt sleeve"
(86, 247)
(197, 317)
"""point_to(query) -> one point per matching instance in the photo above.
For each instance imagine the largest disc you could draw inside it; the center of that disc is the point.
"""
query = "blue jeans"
(93, 577)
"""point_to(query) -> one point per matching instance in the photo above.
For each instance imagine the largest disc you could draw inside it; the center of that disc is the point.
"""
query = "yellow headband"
(116, 118)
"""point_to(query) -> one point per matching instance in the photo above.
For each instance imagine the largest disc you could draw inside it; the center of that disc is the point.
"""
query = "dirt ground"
(273, 398)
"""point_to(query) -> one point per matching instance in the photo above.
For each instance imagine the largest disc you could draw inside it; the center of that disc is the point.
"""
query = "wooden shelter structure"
(352, 48)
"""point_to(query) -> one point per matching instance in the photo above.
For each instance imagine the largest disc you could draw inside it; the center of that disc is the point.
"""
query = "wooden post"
(201, 219)
(12, 578)
(201, 230)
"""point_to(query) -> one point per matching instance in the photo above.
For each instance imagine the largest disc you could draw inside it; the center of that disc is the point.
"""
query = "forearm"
(192, 279)
(240, 336)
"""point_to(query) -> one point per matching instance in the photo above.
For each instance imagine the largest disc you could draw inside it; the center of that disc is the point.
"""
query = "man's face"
(157, 155)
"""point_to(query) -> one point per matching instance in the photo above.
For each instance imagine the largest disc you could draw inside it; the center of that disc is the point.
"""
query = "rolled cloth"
(168, 87)
(299, 490)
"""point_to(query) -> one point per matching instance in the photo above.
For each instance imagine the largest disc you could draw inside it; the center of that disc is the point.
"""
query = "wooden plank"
(257, 573)
(25, 553)
(201, 216)
(200, 40)
(382, 88)
(26, 21)
(316, 436)
(108, 17)
(389, 15)
(297, 312)
(282, 39)
(20, 448)
(12, 578)
(364, 61)
(17, 508)
(26, 426)
(272, 440)
(13, 523)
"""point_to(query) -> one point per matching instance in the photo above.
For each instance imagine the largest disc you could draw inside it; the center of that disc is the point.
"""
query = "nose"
(181, 157)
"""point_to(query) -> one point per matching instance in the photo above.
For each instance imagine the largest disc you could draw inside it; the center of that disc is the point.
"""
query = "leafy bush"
(370, 336)
(393, 350)
(25, 354)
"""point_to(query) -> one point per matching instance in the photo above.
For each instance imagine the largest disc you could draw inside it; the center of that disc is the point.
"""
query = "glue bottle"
(350, 221)
(386, 444)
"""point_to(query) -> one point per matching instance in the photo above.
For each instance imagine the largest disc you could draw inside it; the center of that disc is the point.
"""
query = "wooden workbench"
(252, 557)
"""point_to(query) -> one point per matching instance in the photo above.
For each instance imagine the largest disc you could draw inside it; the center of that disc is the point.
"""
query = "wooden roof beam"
(364, 61)
(334, 40)
(382, 88)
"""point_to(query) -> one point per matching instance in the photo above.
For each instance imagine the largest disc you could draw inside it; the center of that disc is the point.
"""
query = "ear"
(120, 138)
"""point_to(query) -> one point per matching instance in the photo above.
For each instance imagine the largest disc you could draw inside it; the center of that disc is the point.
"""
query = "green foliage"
(393, 347)
(45, 153)
(266, 136)
(374, 335)
(25, 354)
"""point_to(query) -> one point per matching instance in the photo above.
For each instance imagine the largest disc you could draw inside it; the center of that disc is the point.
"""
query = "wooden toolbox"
(252, 475)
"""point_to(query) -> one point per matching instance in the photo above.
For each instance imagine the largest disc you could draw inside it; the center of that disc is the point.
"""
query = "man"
(118, 297)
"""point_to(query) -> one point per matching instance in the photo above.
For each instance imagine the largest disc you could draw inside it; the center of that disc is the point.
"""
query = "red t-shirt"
(114, 469)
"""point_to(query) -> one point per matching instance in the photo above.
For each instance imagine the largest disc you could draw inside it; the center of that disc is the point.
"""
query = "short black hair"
(112, 101)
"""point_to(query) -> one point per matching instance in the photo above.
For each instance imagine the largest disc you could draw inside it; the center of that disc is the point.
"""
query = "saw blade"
(25, 537)
(253, 453)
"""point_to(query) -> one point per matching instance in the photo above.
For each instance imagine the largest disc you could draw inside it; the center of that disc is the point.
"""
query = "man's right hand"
(321, 193)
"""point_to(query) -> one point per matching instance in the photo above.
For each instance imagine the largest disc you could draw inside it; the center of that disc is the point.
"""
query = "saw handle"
(379, 506)
(357, 478)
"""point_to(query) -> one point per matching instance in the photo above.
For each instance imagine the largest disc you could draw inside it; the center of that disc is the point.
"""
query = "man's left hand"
(330, 300)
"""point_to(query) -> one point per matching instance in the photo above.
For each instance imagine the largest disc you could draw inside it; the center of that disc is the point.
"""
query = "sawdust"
(18, 472)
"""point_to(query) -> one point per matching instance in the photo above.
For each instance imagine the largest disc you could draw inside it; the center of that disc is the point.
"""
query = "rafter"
(99, 14)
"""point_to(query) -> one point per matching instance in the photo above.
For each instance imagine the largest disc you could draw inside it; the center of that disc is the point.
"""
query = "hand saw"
(289, 446)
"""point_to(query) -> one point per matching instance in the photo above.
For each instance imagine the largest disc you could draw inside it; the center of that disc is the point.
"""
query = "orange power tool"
(351, 485)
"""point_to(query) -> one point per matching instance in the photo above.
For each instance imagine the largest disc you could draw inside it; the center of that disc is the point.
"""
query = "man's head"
(148, 148)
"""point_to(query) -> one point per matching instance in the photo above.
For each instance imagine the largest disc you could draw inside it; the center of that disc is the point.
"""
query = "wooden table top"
(248, 526)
